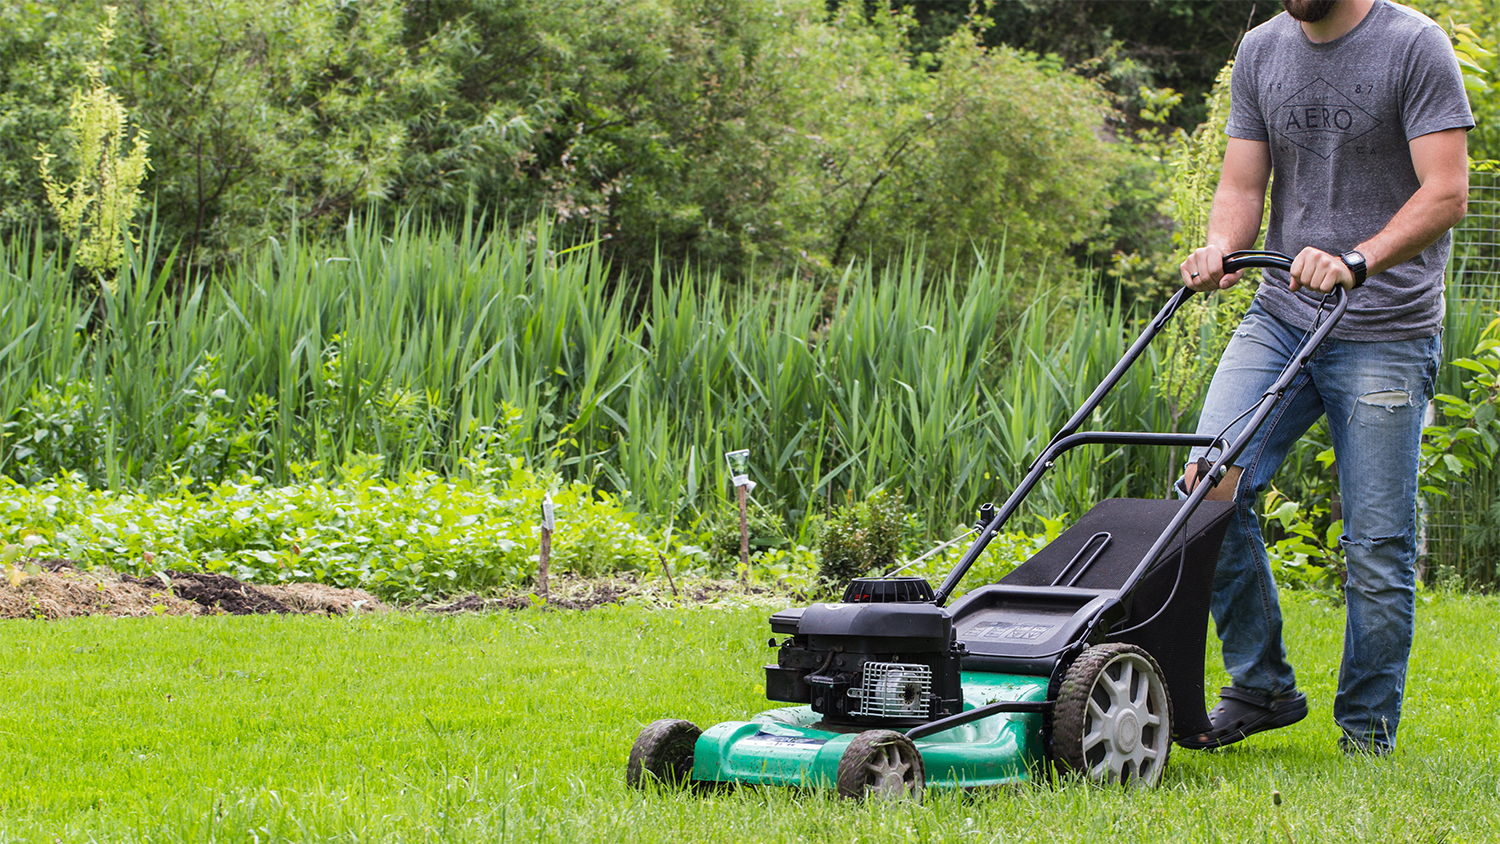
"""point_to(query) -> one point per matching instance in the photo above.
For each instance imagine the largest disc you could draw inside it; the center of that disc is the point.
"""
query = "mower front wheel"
(663, 753)
(881, 765)
(1113, 718)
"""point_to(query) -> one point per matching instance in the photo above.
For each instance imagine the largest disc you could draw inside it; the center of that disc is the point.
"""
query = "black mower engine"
(885, 655)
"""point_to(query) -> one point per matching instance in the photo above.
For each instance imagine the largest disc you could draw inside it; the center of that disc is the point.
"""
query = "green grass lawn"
(516, 726)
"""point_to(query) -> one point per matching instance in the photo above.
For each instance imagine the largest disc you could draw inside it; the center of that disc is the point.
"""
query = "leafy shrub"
(55, 433)
(97, 207)
(719, 533)
(418, 537)
(1468, 436)
(862, 538)
(1458, 468)
(1303, 544)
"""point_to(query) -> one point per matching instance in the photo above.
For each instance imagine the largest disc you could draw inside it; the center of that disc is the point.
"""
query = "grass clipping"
(57, 589)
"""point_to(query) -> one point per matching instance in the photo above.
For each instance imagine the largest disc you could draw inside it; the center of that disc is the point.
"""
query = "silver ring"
(1194, 275)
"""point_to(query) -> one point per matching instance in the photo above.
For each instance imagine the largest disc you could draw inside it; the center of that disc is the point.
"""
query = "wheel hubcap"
(1125, 732)
(890, 774)
(1129, 732)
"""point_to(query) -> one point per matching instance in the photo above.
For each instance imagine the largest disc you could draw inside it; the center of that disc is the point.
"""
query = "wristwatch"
(1356, 264)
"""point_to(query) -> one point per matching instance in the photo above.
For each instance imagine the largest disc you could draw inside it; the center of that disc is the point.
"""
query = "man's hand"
(1234, 219)
(1319, 271)
(1203, 271)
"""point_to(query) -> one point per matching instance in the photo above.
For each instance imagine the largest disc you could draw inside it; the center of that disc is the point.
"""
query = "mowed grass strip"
(516, 727)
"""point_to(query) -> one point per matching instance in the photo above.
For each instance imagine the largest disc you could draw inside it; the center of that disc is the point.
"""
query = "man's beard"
(1308, 11)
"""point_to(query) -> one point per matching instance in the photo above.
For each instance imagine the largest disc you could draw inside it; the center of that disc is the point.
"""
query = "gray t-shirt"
(1338, 118)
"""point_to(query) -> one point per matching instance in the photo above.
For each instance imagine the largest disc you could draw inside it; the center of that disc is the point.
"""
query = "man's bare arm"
(1442, 164)
(1234, 221)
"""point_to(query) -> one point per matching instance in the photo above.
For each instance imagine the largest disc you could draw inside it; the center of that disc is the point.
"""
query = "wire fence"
(1459, 528)
(1476, 249)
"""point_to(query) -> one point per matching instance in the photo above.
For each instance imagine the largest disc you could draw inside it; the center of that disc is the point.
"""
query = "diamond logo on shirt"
(1320, 119)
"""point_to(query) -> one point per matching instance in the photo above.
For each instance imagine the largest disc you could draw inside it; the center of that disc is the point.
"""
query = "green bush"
(1459, 476)
(862, 538)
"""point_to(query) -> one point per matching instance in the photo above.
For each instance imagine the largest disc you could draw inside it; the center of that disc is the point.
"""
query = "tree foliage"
(1125, 46)
(1474, 26)
(719, 131)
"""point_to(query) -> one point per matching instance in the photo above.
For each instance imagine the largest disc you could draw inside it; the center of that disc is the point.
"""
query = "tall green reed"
(427, 345)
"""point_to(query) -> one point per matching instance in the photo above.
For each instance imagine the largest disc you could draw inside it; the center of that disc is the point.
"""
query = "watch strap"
(1358, 267)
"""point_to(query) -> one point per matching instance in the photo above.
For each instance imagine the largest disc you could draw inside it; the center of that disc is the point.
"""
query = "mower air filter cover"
(888, 590)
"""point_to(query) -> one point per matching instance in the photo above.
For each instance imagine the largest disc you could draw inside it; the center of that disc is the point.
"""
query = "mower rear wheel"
(881, 765)
(663, 753)
(1113, 718)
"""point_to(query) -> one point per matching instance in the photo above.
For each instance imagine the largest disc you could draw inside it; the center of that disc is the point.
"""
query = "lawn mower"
(1086, 659)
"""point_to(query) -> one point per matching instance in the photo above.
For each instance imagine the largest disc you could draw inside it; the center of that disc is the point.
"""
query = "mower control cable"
(936, 548)
(1276, 389)
(1261, 410)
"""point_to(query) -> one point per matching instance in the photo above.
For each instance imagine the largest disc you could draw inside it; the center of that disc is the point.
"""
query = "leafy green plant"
(1469, 436)
(98, 206)
(1304, 547)
(414, 538)
(862, 537)
(1458, 455)
(56, 432)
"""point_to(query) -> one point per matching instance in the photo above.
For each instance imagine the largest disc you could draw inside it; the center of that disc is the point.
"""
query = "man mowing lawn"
(1358, 108)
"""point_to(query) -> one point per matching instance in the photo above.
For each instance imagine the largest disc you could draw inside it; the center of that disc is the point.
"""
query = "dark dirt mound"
(59, 588)
(219, 591)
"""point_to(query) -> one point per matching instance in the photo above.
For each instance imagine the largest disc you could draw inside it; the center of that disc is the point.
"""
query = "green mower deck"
(790, 747)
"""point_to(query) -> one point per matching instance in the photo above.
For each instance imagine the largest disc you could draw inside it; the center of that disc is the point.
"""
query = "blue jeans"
(1374, 395)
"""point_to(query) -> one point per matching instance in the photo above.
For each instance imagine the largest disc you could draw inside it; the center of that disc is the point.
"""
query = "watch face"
(1356, 264)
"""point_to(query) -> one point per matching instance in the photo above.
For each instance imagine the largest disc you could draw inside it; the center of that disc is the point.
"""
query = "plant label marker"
(739, 470)
(544, 554)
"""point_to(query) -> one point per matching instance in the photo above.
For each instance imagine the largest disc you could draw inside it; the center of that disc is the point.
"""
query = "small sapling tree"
(97, 208)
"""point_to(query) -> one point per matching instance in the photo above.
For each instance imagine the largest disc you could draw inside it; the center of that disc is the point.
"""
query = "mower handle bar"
(1247, 258)
(1068, 437)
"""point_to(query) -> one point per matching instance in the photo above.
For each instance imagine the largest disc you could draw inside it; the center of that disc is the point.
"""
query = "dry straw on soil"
(62, 590)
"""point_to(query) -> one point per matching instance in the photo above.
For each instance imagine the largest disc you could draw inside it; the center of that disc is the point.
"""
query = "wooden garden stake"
(544, 556)
(744, 494)
(666, 569)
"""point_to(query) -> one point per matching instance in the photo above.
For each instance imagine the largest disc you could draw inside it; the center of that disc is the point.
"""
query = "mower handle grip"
(1246, 258)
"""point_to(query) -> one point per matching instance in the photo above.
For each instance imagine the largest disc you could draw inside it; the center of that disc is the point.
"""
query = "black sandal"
(1241, 713)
